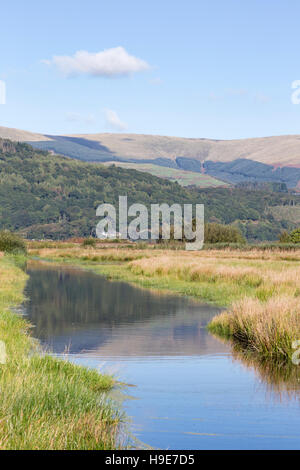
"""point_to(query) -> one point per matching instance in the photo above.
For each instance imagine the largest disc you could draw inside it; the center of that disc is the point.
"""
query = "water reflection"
(280, 377)
(75, 309)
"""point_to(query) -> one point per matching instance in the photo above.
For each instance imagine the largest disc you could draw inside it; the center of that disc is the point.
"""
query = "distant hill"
(183, 177)
(274, 159)
(45, 195)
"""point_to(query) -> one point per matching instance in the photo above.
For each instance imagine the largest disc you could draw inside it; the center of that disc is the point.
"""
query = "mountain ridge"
(273, 150)
(261, 159)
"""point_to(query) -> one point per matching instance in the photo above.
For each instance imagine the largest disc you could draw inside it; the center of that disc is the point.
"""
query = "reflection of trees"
(282, 378)
(61, 298)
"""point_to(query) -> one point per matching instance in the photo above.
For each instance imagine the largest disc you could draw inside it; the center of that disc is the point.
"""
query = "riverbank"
(47, 403)
(260, 289)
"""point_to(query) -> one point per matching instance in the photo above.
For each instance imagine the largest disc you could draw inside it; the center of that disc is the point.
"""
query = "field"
(259, 288)
(182, 177)
(42, 397)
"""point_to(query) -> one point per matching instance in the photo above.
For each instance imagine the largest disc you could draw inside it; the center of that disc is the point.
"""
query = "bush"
(284, 237)
(11, 243)
(218, 233)
(295, 236)
(89, 242)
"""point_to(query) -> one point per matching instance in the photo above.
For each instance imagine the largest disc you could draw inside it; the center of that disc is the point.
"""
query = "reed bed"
(98, 254)
(267, 328)
(254, 276)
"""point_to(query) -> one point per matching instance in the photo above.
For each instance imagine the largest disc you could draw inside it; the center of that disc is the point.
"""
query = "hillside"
(56, 197)
(275, 151)
(45, 195)
(259, 214)
(278, 150)
(182, 177)
(273, 159)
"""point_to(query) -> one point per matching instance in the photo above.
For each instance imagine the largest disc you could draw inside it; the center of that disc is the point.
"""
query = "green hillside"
(184, 178)
(255, 212)
(48, 195)
(45, 195)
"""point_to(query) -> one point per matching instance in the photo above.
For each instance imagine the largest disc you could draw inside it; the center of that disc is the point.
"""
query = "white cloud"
(113, 121)
(115, 62)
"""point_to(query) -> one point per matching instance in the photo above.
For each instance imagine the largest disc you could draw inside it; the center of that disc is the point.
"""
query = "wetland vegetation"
(42, 396)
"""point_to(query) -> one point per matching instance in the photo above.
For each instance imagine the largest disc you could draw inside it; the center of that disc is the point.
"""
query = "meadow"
(183, 177)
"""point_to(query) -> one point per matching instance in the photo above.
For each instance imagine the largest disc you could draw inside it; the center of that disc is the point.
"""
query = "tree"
(284, 237)
(295, 236)
(11, 243)
(218, 233)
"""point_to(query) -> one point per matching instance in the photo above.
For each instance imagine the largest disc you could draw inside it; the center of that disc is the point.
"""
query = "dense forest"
(44, 195)
(259, 214)
(48, 196)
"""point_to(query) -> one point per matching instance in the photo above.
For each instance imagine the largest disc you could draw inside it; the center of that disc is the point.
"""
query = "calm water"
(189, 391)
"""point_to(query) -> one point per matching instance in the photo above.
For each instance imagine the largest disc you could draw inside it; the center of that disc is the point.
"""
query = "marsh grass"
(47, 403)
(90, 254)
(267, 328)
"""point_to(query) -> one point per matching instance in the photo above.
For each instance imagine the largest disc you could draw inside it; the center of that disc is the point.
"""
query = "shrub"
(11, 242)
(284, 237)
(295, 236)
(89, 242)
(218, 233)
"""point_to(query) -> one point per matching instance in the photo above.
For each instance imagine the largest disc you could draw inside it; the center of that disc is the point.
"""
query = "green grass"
(216, 293)
(182, 177)
(117, 267)
(47, 403)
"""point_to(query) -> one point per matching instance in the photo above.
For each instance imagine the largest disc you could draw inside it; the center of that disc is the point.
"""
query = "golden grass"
(267, 328)
(97, 254)
(273, 275)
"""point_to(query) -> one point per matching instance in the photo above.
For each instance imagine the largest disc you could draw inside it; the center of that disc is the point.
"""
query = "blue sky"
(217, 69)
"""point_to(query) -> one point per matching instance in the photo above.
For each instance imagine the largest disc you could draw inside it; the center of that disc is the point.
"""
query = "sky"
(205, 69)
